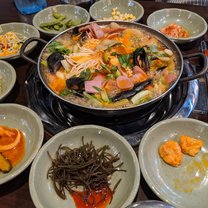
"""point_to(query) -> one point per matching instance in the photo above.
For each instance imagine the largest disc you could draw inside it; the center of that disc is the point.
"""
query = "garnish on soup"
(12, 148)
(85, 172)
(108, 66)
(175, 31)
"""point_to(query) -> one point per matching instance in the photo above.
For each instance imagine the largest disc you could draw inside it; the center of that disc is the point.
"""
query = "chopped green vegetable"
(58, 47)
(104, 96)
(140, 97)
(65, 92)
(97, 88)
(86, 74)
(93, 100)
(44, 63)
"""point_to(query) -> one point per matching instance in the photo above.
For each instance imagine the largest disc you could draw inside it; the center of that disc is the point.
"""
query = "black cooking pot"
(121, 111)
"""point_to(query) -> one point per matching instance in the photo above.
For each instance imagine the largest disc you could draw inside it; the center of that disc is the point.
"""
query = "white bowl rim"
(35, 151)
(135, 2)
(23, 24)
(140, 154)
(54, 6)
(185, 10)
(75, 128)
(13, 79)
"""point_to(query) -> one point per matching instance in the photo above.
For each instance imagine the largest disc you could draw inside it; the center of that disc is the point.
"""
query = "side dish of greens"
(60, 23)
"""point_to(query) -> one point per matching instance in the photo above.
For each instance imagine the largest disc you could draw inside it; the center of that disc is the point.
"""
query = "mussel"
(54, 61)
(75, 83)
(140, 59)
(127, 94)
(75, 31)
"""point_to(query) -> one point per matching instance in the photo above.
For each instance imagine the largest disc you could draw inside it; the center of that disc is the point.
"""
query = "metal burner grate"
(58, 116)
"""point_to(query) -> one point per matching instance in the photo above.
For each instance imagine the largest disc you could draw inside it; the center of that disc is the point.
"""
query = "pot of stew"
(110, 68)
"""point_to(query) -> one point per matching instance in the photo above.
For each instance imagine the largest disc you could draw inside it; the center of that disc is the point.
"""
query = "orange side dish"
(189, 145)
(175, 31)
(12, 144)
(170, 152)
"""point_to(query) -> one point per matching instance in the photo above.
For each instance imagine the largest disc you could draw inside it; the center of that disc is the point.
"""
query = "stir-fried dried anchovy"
(84, 167)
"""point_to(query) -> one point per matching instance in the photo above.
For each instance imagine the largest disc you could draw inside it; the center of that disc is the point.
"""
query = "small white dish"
(29, 123)
(150, 204)
(102, 9)
(7, 79)
(184, 186)
(21, 29)
(192, 22)
(75, 13)
(41, 189)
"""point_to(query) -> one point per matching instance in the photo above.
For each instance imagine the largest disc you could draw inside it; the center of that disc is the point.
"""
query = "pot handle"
(25, 44)
(203, 70)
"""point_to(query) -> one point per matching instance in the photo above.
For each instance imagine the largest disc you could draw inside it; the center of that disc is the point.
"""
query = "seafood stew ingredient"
(112, 63)
(189, 145)
(5, 164)
(170, 152)
(60, 23)
(10, 43)
(84, 171)
(175, 31)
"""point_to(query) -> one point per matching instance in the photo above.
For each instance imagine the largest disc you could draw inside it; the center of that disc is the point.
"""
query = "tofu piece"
(170, 152)
(190, 146)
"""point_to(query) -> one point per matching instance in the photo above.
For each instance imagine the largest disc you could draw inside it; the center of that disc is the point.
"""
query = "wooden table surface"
(15, 194)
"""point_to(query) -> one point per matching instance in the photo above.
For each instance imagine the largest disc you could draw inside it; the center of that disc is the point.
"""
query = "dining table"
(15, 193)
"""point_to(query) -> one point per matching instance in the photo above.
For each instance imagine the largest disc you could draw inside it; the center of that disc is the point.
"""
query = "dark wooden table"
(15, 194)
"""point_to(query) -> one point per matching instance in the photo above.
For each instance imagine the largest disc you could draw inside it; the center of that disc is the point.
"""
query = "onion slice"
(12, 144)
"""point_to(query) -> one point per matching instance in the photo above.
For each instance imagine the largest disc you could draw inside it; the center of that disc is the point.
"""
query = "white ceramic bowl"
(7, 79)
(23, 29)
(23, 118)
(150, 204)
(192, 22)
(103, 9)
(41, 189)
(73, 12)
(184, 186)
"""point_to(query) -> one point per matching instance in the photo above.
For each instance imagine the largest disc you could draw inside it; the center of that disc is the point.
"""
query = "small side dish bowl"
(29, 123)
(150, 204)
(193, 23)
(41, 188)
(182, 186)
(103, 10)
(72, 14)
(22, 31)
(7, 78)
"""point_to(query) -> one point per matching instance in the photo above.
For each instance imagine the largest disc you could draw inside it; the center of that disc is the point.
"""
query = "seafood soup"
(108, 66)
